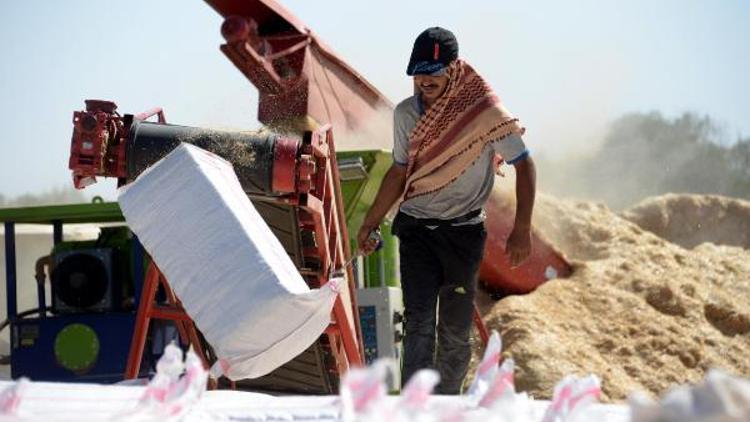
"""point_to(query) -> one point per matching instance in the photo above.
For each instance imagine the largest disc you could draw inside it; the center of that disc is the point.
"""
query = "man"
(446, 137)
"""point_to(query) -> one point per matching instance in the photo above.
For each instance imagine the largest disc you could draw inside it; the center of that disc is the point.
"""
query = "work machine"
(293, 182)
(285, 171)
(313, 198)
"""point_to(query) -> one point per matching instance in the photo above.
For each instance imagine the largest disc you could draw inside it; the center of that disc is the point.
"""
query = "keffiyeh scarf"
(451, 135)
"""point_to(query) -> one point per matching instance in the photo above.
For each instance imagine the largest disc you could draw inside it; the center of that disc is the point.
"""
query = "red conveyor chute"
(301, 82)
(496, 272)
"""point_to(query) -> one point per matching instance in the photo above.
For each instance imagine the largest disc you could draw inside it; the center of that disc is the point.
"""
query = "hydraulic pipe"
(41, 277)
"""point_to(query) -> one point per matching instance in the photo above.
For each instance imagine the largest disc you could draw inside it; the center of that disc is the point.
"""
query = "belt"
(441, 222)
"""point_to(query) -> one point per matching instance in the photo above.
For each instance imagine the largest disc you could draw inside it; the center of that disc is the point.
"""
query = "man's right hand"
(389, 192)
(365, 244)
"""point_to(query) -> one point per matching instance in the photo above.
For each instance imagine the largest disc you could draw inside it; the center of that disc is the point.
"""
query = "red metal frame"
(322, 213)
(318, 197)
(148, 310)
(309, 177)
(156, 111)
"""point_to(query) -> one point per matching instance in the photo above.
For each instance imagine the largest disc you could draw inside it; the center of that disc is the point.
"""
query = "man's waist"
(462, 219)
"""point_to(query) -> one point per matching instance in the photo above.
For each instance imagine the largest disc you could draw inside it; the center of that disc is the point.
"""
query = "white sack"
(721, 397)
(229, 270)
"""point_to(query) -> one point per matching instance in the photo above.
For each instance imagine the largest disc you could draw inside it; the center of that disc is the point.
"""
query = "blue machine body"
(33, 347)
(36, 342)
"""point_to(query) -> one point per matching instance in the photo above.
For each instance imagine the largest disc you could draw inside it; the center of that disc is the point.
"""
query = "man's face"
(431, 87)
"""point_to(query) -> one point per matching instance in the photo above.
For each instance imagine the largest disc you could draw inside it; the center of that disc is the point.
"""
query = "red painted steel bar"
(323, 205)
(484, 334)
(142, 322)
(147, 310)
(156, 111)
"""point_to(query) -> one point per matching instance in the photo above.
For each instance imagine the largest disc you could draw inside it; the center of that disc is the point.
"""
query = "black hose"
(19, 315)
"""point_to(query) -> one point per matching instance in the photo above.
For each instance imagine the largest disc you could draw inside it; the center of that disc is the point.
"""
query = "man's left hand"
(518, 246)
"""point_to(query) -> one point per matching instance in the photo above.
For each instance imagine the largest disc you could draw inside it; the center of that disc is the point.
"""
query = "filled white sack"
(721, 397)
(226, 266)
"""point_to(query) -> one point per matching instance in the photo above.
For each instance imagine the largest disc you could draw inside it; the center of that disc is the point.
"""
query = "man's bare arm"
(390, 191)
(518, 247)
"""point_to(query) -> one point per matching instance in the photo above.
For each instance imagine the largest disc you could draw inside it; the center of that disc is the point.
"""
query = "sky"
(566, 69)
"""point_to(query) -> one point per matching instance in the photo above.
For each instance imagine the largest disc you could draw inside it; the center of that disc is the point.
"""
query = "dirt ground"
(659, 294)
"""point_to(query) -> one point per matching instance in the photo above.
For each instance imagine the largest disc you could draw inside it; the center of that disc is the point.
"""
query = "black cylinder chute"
(251, 153)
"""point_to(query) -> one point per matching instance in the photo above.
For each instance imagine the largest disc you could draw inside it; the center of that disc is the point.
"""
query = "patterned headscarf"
(452, 134)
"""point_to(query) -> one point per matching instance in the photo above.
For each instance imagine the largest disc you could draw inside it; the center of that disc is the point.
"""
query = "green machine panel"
(361, 173)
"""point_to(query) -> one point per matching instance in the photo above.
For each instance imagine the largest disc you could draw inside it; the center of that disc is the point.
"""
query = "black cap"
(434, 49)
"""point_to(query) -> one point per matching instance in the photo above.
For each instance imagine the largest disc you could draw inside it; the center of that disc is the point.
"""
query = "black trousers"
(439, 271)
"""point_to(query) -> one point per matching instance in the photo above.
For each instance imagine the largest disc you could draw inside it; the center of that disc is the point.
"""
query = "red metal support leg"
(323, 215)
(182, 326)
(142, 322)
(350, 343)
(147, 309)
(481, 327)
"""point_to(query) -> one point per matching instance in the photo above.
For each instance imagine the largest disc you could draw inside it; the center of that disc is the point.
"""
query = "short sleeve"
(400, 138)
(511, 148)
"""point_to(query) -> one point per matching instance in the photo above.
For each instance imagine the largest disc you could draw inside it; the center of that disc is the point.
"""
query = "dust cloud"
(374, 133)
(643, 155)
